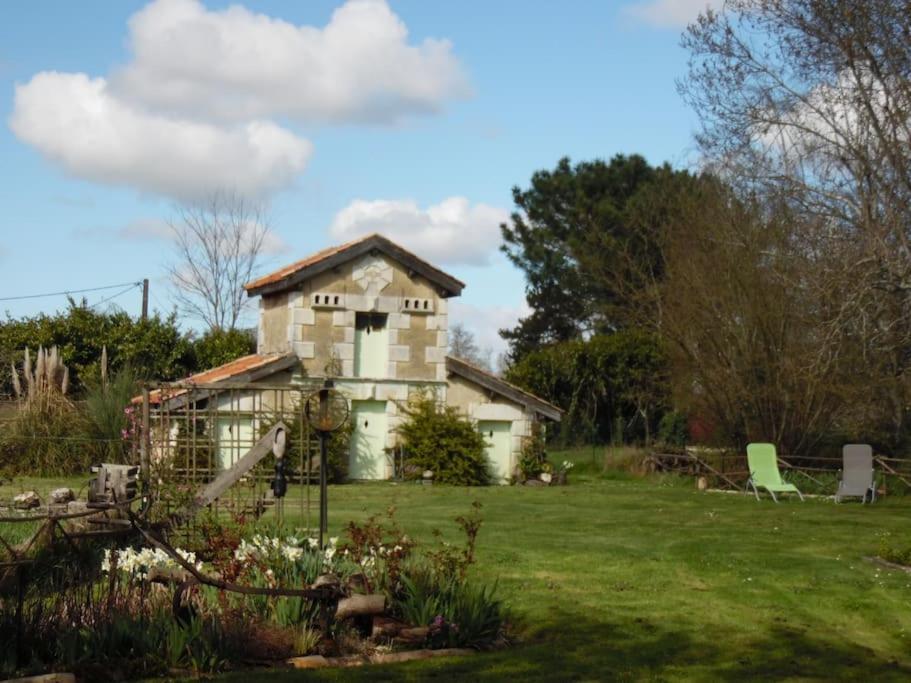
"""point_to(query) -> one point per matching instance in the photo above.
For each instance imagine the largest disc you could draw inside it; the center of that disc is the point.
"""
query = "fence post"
(145, 443)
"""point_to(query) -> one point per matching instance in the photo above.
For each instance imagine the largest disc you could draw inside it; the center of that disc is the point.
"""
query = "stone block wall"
(323, 332)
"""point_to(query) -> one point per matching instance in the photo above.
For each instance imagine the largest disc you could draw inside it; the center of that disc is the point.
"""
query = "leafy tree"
(154, 348)
(606, 381)
(584, 237)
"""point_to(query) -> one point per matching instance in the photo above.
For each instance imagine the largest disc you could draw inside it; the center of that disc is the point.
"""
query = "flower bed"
(141, 612)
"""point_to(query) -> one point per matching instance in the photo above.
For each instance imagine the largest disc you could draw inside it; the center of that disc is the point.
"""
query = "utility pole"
(145, 299)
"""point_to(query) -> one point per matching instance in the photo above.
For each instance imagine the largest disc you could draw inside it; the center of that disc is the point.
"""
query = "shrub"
(108, 412)
(439, 439)
(533, 457)
(672, 430)
(155, 348)
(436, 591)
(218, 347)
(45, 435)
(604, 382)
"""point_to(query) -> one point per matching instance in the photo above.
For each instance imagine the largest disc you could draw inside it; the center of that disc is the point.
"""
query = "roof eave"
(188, 395)
(488, 381)
(449, 286)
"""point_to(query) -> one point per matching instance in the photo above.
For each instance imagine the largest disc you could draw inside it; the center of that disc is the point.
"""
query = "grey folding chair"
(857, 477)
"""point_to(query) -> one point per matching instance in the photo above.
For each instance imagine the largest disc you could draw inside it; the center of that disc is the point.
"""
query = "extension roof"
(321, 261)
(491, 382)
(244, 369)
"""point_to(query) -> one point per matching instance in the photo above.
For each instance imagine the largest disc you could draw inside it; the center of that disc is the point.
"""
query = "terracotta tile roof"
(235, 368)
(292, 268)
(499, 385)
(323, 259)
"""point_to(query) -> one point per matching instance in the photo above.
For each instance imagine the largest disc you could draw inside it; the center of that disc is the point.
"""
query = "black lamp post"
(326, 410)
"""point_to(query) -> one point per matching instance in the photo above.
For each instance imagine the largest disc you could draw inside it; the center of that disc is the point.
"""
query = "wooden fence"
(726, 470)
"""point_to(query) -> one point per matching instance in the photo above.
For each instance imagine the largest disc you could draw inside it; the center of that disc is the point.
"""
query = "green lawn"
(632, 579)
(613, 577)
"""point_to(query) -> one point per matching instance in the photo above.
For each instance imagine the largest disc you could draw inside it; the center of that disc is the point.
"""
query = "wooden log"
(360, 606)
(395, 657)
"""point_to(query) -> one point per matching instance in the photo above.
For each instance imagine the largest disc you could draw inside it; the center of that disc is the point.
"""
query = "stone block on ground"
(385, 627)
(395, 657)
(26, 500)
(412, 636)
(309, 662)
(61, 496)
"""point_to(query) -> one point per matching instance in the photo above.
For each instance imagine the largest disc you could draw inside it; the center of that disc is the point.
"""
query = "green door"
(496, 435)
(368, 439)
(235, 438)
(371, 345)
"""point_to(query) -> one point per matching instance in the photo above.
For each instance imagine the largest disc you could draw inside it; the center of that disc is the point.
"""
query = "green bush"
(218, 347)
(613, 387)
(533, 457)
(438, 438)
(672, 430)
(45, 434)
(155, 348)
(109, 415)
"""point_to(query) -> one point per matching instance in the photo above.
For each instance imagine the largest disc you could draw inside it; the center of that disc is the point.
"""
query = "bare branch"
(218, 248)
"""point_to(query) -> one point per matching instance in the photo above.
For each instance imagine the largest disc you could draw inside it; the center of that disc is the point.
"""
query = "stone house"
(374, 317)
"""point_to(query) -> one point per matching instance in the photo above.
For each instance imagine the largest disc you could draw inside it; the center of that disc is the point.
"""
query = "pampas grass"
(47, 434)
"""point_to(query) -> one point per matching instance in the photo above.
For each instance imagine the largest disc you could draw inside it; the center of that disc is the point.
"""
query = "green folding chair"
(763, 463)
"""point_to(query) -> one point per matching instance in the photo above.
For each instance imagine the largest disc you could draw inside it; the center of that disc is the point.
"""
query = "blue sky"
(415, 118)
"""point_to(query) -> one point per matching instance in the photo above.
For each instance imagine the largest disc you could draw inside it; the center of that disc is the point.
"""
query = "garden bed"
(252, 594)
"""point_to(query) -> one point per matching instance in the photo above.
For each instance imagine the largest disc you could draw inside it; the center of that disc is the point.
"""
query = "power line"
(70, 291)
(114, 296)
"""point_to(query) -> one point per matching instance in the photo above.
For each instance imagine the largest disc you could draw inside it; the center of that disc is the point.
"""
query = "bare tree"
(462, 344)
(219, 245)
(808, 103)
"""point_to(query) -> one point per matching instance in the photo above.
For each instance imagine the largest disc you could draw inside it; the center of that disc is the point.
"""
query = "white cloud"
(76, 122)
(485, 322)
(236, 65)
(453, 231)
(669, 13)
(193, 111)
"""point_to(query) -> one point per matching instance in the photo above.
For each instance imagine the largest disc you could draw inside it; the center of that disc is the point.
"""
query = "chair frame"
(869, 493)
(751, 482)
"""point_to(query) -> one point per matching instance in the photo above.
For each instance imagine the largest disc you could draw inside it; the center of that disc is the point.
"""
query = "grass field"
(614, 577)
